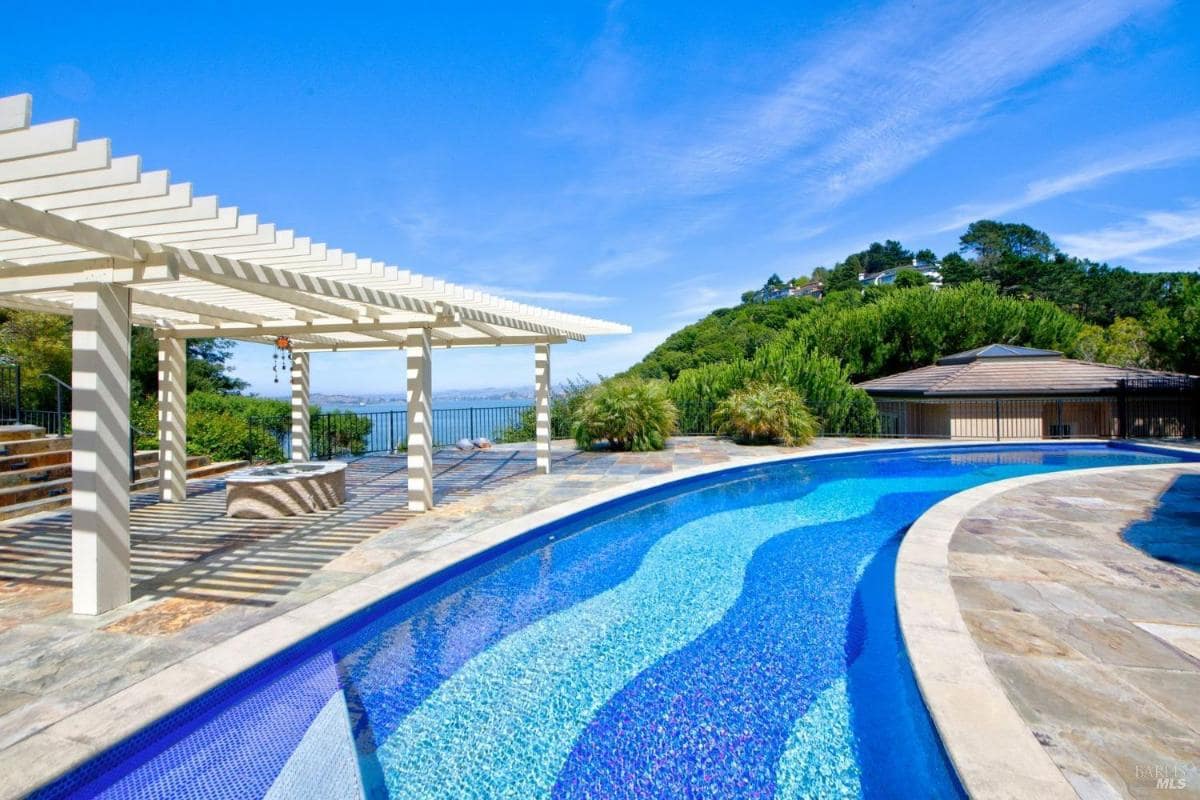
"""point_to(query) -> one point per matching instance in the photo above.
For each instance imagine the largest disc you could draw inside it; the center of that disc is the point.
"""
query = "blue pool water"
(732, 636)
(1173, 532)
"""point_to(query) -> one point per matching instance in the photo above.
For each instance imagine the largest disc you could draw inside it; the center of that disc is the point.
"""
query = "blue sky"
(642, 162)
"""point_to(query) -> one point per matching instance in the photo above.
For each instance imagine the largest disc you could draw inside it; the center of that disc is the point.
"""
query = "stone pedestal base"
(284, 490)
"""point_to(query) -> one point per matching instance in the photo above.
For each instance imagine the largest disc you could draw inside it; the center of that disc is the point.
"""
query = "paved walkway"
(201, 578)
(1096, 644)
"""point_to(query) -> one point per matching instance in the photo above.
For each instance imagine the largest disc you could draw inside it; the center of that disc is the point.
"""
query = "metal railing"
(349, 434)
(1129, 413)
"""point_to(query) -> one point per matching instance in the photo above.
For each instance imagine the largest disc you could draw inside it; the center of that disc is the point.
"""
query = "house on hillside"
(811, 289)
(888, 276)
(1006, 392)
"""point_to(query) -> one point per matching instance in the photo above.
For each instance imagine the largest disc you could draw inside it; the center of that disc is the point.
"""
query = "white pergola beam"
(442, 344)
(39, 140)
(119, 172)
(90, 155)
(18, 279)
(80, 205)
(18, 217)
(156, 300)
(16, 111)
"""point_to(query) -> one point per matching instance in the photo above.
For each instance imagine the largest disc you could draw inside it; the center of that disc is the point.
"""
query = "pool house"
(1002, 391)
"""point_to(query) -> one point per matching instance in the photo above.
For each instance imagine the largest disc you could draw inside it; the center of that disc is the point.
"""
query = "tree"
(41, 344)
(844, 276)
(1173, 332)
(1124, 344)
(207, 365)
(993, 241)
(926, 256)
(1011, 255)
(910, 279)
(774, 282)
(956, 270)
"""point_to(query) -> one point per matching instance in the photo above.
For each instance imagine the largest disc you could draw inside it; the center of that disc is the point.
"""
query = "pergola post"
(301, 424)
(172, 420)
(100, 448)
(541, 372)
(420, 420)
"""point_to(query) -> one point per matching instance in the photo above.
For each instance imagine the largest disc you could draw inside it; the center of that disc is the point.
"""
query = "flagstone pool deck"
(214, 595)
(1056, 659)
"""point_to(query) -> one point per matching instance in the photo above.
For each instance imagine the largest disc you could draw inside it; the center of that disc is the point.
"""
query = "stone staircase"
(35, 470)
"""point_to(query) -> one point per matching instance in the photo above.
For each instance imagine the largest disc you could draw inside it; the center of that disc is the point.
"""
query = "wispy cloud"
(866, 104)
(1147, 232)
(700, 294)
(1156, 148)
(629, 261)
(549, 296)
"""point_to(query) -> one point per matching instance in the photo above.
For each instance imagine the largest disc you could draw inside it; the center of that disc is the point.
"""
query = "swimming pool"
(733, 635)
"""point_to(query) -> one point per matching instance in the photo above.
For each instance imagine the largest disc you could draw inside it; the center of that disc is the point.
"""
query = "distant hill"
(724, 335)
(1147, 319)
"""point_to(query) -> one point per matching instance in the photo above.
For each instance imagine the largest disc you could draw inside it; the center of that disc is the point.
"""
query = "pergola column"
(100, 448)
(420, 420)
(541, 373)
(301, 424)
(172, 420)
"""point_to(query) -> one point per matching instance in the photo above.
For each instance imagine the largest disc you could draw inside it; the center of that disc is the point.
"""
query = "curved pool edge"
(47, 755)
(992, 749)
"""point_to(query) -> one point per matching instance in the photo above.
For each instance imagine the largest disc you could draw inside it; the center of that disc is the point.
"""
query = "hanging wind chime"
(282, 356)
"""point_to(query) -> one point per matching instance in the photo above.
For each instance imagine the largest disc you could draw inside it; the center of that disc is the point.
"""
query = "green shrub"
(223, 427)
(820, 380)
(340, 433)
(563, 407)
(628, 413)
(763, 413)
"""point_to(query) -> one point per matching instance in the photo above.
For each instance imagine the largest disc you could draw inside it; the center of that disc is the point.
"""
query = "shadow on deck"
(192, 551)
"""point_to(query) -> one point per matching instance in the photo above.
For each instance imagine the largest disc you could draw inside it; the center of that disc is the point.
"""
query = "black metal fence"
(10, 392)
(347, 434)
(1162, 407)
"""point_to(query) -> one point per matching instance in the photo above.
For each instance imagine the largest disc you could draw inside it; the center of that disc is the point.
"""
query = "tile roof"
(973, 374)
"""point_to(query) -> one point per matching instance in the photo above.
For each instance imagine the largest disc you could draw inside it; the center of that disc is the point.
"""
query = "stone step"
(35, 474)
(45, 444)
(149, 469)
(11, 433)
(204, 471)
(42, 460)
(59, 494)
(12, 495)
(216, 468)
(38, 506)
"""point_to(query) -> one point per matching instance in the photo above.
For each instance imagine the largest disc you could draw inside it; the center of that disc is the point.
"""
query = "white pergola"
(96, 237)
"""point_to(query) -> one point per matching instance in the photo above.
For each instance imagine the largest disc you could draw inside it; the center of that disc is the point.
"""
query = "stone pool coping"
(53, 751)
(992, 749)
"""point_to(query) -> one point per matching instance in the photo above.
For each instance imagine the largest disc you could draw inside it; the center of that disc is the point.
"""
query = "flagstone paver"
(1095, 643)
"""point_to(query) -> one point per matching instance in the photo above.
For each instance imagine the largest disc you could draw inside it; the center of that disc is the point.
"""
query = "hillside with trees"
(1099, 312)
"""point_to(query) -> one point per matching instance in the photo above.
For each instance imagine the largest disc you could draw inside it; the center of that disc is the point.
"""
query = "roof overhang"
(72, 215)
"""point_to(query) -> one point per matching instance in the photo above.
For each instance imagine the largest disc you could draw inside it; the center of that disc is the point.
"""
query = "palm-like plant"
(762, 413)
(628, 413)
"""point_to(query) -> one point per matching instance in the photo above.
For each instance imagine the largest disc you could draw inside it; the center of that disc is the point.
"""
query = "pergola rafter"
(96, 237)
